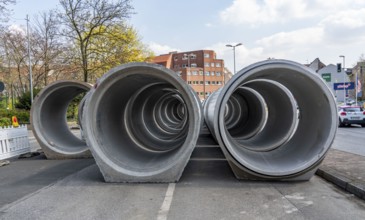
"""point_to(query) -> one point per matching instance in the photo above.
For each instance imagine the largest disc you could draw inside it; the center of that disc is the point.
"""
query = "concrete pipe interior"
(300, 124)
(142, 119)
(49, 117)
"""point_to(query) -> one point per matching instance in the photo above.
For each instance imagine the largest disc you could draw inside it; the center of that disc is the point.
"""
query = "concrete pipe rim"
(37, 113)
(316, 154)
(143, 74)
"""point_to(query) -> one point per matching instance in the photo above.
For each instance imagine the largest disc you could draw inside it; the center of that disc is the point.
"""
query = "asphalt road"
(37, 188)
(350, 139)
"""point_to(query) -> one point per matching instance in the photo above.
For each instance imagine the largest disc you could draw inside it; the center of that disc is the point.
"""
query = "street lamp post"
(234, 54)
(344, 79)
(30, 67)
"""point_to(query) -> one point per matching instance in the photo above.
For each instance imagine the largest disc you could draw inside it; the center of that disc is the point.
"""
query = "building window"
(206, 64)
(178, 73)
(218, 64)
(212, 64)
(207, 73)
(201, 93)
(193, 56)
(175, 58)
(200, 72)
(193, 65)
(201, 82)
(213, 82)
(218, 73)
(206, 55)
(185, 65)
(194, 73)
(188, 73)
(189, 82)
(207, 82)
(219, 82)
(212, 73)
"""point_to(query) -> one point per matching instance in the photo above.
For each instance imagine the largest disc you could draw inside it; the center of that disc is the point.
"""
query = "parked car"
(350, 102)
(349, 115)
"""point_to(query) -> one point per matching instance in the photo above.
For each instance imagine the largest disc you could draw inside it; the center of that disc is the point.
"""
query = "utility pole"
(30, 61)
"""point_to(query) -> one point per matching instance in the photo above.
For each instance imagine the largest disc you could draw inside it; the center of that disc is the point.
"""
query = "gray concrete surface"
(207, 190)
(37, 188)
(346, 170)
(350, 139)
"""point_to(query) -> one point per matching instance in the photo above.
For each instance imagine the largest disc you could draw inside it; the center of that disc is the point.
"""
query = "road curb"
(351, 186)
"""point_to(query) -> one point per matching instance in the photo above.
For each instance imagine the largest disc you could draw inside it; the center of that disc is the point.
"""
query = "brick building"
(200, 69)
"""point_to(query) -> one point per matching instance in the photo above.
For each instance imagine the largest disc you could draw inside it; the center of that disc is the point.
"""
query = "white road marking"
(165, 207)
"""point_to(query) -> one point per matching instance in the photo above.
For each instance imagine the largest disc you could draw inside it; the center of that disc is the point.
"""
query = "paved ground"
(350, 139)
(207, 190)
(37, 188)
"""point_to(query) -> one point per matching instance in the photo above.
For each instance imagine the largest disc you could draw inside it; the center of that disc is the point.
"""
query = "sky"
(298, 30)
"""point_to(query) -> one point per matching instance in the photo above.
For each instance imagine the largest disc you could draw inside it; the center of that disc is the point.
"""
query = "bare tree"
(48, 43)
(15, 51)
(4, 11)
(85, 19)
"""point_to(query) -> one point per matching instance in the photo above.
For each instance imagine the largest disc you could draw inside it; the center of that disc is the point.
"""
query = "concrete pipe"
(142, 122)
(275, 120)
(49, 122)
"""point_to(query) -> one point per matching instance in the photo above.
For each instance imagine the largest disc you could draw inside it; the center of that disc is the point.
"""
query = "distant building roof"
(164, 60)
(316, 65)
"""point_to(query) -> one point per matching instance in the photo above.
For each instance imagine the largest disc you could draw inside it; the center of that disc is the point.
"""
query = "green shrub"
(73, 108)
(24, 100)
(21, 115)
(5, 122)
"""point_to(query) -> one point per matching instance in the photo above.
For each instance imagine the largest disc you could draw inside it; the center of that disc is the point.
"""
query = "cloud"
(244, 55)
(254, 12)
(161, 49)
(17, 29)
(306, 36)
(259, 12)
(346, 25)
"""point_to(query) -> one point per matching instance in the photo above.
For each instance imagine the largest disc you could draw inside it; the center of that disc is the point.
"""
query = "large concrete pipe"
(275, 119)
(49, 122)
(141, 122)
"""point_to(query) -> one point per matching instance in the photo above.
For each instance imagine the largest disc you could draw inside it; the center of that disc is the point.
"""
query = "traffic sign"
(342, 86)
(2, 86)
(326, 77)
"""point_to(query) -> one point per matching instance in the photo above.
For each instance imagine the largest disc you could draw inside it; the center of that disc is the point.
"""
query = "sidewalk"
(345, 170)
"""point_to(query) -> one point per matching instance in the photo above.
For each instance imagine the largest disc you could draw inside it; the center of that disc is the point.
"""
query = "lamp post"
(30, 67)
(344, 79)
(234, 54)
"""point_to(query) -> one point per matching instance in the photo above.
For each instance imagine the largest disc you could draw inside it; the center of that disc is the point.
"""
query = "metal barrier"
(13, 141)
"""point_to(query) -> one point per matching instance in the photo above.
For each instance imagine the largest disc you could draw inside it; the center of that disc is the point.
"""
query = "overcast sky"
(299, 30)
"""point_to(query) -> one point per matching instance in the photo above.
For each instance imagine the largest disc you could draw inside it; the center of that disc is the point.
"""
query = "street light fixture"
(344, 79)
(234, 54)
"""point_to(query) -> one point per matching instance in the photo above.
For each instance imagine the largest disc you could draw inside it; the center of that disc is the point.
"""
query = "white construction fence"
(13, 141)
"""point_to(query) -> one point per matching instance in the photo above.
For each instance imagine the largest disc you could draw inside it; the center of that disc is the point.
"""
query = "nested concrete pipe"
(49, 122)
(141, 123)
(275, 119)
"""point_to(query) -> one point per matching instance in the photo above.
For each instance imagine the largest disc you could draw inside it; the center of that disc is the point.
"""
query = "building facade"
(330, 75)
(200, 69)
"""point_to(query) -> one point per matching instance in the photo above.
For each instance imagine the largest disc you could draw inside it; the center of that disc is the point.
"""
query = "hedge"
(22, 116)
